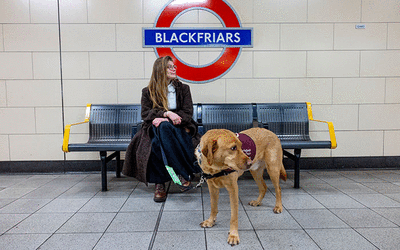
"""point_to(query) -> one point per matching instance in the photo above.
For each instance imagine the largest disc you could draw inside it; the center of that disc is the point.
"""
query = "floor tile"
(383, 188)
(331, 176)
(14, 192)
(360, 176)
(63, 206)
(22, 241)
(270, 220)
(320, 188)
(286, 239)
(181, 220)
(300, 202)
(343, 239)
(395, 197)
(80, 192)
(24, 206)
(375, 200)
(317, 218)
(194, 240)
(87, 223)
(390, 176)
(133, 222)
(217, 240)
(7, 221)
(103, 205)
(35, 181)
(45, 193)
(142, 190)
(362, 218)
(338, 201)
(141, 204)
(12, 180)
(5, 201)
(41, 223)
(353, 188)
(392, 214)
(114, 192)
(183, 203)
(71, 241)
(128, 241)
(382, 238)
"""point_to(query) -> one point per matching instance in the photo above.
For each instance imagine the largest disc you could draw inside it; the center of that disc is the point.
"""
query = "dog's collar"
(210, 176)
(222, 173)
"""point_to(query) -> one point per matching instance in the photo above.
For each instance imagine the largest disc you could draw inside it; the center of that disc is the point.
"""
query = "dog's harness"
(248, 145)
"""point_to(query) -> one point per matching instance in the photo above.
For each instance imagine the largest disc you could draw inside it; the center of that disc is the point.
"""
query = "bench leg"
(103, 157)
(118, 157)
(297, 153)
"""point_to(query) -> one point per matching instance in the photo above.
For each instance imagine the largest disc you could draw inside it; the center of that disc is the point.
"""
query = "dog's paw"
(278, 209)
(233, 238)
(207, 223)
(255, 203)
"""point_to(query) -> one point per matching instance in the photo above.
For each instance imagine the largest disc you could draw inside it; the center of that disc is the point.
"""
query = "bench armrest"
(68, 128)
(330, 126)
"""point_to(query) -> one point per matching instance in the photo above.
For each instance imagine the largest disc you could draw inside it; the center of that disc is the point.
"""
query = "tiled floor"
(331, 210)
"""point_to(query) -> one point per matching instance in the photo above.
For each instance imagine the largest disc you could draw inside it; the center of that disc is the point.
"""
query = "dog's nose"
(249, 163)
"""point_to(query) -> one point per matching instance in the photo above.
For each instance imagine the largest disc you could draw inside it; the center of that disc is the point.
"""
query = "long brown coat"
(138, 152)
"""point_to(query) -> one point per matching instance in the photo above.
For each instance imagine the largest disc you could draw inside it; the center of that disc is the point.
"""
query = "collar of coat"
(176, 83)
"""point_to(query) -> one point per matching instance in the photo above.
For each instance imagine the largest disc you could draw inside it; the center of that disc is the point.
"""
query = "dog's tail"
(283, 174)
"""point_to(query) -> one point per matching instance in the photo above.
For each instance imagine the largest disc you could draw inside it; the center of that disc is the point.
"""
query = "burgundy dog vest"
(248, 145)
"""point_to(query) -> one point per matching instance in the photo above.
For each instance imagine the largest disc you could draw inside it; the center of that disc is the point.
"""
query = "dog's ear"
(209, 150)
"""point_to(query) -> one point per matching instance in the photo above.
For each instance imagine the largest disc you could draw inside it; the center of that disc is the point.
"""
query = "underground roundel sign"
(163, 37)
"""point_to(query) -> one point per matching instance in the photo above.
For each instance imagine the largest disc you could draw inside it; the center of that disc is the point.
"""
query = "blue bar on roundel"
(170, 37)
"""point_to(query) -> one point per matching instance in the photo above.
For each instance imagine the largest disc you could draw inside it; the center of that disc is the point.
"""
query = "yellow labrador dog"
(223, 160)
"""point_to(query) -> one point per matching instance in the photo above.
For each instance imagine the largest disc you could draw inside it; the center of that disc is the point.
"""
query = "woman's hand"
(157, 121)
(176, 119)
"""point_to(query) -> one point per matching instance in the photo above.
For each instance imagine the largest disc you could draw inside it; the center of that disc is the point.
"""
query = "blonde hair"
(158, 84)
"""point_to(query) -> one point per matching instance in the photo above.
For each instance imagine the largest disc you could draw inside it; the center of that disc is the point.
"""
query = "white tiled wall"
(303, 50)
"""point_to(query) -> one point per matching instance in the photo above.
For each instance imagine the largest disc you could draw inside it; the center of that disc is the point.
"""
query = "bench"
(112, 126)
(289, 121)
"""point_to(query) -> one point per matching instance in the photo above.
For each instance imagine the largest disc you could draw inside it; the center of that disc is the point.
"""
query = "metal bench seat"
(290, 122)
(99, 146)
(111, 127)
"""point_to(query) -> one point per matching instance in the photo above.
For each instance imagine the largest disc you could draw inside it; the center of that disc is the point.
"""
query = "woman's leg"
(178, 148)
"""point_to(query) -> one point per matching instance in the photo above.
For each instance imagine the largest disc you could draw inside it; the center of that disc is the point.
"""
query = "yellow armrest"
(330, 126)
(68, 128)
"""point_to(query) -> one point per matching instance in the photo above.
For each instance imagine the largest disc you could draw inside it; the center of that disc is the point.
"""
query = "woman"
(167, 111)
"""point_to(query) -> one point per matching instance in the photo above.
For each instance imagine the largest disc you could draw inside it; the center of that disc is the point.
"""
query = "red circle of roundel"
(224, 62)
